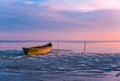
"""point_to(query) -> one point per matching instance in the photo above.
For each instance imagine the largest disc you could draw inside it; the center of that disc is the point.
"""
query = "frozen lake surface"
(68, 63)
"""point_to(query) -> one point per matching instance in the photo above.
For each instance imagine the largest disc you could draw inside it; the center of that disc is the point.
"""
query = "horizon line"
(59, 40)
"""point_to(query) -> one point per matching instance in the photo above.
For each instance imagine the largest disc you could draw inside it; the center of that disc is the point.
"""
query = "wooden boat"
(38, 50)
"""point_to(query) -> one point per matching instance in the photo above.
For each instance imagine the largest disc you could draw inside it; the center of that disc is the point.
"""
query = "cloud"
(54, 20)
(42, 17)
(87, 5)
(84, 5)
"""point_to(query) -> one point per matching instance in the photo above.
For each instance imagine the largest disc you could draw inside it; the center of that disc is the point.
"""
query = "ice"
(59, 65)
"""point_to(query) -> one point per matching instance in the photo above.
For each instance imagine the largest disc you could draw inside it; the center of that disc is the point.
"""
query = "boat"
(38, 50)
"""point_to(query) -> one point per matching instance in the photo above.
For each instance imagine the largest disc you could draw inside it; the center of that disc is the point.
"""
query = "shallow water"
(63, 64)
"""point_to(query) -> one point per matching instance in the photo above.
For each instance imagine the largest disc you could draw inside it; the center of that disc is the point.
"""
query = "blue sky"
(59, 20)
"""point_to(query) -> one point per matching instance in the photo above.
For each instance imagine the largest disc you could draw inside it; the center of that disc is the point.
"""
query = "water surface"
(66, 62)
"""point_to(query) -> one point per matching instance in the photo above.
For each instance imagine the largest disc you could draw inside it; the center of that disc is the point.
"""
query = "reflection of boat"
(38, 50)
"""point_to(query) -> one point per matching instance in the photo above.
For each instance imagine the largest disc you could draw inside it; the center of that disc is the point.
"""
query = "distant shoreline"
(5, 41)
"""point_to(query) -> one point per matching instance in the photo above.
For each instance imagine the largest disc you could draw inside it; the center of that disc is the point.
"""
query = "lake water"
(66, 62)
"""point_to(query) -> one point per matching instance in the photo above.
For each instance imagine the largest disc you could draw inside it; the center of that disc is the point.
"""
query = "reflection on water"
(70, 65)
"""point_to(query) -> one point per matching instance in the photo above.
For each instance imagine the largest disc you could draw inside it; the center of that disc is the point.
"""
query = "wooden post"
(85, 47)
(58, 48)
(57, 45)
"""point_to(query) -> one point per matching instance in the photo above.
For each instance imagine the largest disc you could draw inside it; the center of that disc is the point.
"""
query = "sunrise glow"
(59, 20)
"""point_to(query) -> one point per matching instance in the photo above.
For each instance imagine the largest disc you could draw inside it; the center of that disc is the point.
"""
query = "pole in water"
(58, 48)
(85, 47)
(57, 45)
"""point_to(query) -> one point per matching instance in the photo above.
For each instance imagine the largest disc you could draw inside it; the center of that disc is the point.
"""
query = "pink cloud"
(56, 7)
(64, 35)
(87, 5)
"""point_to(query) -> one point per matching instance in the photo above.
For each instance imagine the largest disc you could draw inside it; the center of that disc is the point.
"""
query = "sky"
(59, 20)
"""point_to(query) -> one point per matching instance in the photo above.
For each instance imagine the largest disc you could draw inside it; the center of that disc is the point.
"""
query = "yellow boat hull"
(39, 50)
